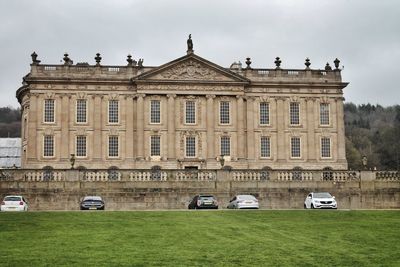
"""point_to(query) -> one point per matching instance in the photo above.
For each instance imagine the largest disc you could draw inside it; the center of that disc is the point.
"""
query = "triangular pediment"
(191, 68)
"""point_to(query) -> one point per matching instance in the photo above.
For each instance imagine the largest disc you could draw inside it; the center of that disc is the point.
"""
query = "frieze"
(191, 70)
(187, 87)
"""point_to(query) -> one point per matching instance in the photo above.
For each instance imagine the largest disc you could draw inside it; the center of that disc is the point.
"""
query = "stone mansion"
(187, 113)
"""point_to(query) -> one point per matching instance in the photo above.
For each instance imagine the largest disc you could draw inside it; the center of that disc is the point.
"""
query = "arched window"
(265, 173)
(327, 174)
(48, 174)
(297, 173)
(113, 173)
(155, 173)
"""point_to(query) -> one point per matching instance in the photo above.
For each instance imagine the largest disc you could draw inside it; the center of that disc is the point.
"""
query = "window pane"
(324, 114)
(264, 113)
(81, 111)
(49, 110)
(294, 113)
(325, 147)
(113, 111)
(155, 146)
(190, 112)
(190, 146)
(265, 147)
(48, 146)
(225, 146)
(155, 111)
(295, 147)
(224, 112)
(80, 146)
(113, 146)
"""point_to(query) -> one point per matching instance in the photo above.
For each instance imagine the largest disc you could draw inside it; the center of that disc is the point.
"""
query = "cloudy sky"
(364, 35)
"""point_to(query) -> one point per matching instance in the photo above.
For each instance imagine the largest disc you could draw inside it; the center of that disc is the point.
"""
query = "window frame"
(77, 147)
(53, 148)
(328, 115)
(221, 147)
(53, 111)
(109, 111)
(221, 112)
(151, 113)
(330, 148)
(291, 147)
(267, 115)
(186, 147)
(151, 145)
(291, 115)
(77, 111)
(108, 146)
(269, 147)
(194, 112)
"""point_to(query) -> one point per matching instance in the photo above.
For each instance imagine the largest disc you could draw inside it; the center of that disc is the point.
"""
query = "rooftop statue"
(190, 44)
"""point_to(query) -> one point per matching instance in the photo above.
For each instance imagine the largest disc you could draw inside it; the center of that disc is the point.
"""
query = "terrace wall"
(136, 189)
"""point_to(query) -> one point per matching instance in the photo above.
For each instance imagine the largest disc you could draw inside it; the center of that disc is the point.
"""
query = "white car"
(243, 202)
(14, 203)
(320, 200)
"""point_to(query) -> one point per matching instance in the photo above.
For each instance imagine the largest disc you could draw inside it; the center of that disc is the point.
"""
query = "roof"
(10, 152)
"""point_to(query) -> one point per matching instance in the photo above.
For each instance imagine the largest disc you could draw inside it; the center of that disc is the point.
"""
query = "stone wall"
(361, 190)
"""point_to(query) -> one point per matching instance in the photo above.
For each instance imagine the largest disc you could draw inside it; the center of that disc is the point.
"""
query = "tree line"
(372, 131)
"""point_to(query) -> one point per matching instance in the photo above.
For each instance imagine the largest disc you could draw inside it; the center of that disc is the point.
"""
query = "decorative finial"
(129, 59)
(189, 45)
(336, 61)
(327, 66)
(248, 63)
(98, 59)
(67, 60)
(307, 63)
(35, 61)
(278, 62)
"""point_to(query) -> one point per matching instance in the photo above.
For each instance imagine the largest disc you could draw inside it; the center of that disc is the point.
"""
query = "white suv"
(320, 200)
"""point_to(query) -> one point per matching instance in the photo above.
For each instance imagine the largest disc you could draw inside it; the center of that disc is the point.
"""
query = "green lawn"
(201, 238)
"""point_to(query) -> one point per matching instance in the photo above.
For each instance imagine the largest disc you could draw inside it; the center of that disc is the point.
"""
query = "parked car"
(92, 203)
(243, 202)
(14, 203)
(320, 200)
(203, 202)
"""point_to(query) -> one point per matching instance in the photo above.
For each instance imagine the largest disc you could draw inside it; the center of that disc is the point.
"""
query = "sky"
(363, 34)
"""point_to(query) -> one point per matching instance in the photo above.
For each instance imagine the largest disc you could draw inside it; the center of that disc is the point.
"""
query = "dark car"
(203, 202)
(92, 203)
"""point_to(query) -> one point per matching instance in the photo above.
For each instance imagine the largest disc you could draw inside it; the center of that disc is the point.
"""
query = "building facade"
(187, 113)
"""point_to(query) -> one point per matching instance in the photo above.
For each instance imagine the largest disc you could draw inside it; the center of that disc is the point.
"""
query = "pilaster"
(171, 126)
(210, 127)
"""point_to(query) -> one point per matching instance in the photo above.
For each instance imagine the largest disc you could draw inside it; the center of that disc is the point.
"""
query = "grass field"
(201, 238)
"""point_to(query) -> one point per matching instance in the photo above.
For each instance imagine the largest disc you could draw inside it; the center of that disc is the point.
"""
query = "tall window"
(80, 146)
(294, 113)
(325, 147)
(49, 110)
(190, 146)
(264, 113)
(81, 111)
(155, 111)
(324, 113)
(155, 145)
(48, 146)
(190, 112)
(295, 147)
(265, 147)
(224, 112)
(113, 109)
(225, 146)
(113, 146)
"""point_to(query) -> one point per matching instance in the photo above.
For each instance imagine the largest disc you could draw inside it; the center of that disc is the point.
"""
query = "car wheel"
(312, 205)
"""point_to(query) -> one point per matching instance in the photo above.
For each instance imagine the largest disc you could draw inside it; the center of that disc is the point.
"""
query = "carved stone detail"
(113, 96)
(81, 95)
(190, 70)
(188, 87)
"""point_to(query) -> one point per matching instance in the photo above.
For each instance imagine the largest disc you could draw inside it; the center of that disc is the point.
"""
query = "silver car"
(243, 202)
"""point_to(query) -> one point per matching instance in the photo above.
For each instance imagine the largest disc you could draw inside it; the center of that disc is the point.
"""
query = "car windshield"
(322, 195)
(12, 199)
(92, 198)
(206, 197)
(246, 197)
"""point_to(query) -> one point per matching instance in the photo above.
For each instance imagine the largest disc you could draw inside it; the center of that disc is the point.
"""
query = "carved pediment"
(191, 68)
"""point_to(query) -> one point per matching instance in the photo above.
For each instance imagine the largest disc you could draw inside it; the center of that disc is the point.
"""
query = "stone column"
(129, 127)
(280, 125)
(97, 125)
(140, 126)
(31, 127)
(210, 127)
(240, 128)
(171, 126)
(312, 121)
(341, 141)
(250, 128)
(65, 106)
